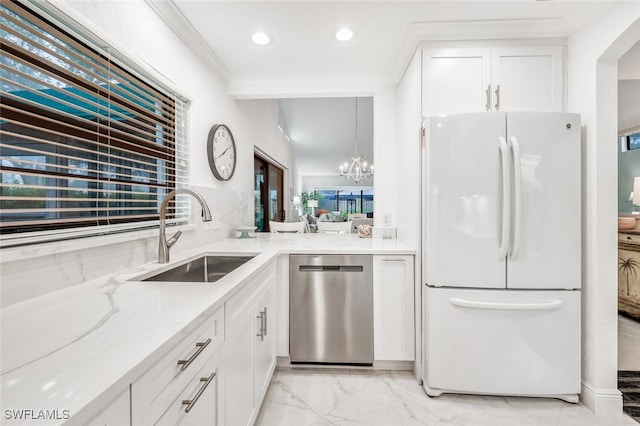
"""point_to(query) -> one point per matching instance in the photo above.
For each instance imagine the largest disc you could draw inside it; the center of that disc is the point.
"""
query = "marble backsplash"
(36, 270)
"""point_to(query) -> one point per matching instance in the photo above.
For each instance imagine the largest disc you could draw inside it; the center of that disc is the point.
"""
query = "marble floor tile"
(628, 344)
(331, 397)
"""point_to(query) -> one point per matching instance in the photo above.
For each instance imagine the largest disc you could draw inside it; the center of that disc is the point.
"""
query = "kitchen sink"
(205, 269)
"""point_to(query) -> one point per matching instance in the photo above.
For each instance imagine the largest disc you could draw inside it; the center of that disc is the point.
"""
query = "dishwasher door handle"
(331, 268)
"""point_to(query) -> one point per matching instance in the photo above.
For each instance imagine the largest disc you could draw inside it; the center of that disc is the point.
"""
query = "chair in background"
(327, 217)
(352, 216)
(287, 227)
(361, 221)
(312, 223)
(334, 227)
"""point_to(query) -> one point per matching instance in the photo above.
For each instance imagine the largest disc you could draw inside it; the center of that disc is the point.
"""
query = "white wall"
(592, 56)
(387, 187)
(408, 124)
(133, 28)
(311, 182)
(628, 103)
(628, 117)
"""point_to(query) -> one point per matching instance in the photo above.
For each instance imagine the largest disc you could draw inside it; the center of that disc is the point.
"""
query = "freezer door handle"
(506, 306)
(506, 194)
(517, 205)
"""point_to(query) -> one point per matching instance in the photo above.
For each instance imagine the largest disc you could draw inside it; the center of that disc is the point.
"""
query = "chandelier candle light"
(358, 170)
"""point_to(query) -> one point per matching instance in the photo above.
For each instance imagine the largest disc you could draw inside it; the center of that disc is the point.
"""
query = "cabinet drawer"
(629, 239)
(203, 397)
(153, 393)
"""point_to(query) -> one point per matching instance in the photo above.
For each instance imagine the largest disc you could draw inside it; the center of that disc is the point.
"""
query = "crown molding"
(175, 19)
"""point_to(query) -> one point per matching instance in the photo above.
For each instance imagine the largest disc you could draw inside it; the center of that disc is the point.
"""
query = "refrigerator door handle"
(517, 182)
(506, 306)
(506, 202)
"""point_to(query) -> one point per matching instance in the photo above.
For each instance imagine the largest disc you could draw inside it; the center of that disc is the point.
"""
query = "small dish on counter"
(244, 231)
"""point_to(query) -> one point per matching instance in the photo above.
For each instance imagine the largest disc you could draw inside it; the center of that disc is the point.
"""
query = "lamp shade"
(636, 191)
(312, 203)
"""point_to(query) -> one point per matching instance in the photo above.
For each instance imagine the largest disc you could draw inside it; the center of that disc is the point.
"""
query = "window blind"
(84, 142)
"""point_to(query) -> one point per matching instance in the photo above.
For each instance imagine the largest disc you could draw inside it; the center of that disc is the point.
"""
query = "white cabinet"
(250, 347)
(459, 80)
(117, 413)
(456, 80)
(393, 308)
(177, 372)
(527, 79)
(265, 342)
(202, 401)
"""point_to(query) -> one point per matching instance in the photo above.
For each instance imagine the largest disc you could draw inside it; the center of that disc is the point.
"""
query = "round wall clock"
(221, 150)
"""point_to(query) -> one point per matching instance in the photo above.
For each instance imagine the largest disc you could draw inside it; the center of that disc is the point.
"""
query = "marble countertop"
(78, 348)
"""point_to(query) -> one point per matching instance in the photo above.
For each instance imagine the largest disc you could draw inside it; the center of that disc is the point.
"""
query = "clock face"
(221, 150)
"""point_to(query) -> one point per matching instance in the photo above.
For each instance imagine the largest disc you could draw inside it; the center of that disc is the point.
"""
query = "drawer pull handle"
(393, 259)
(187, 362)
(191, 402)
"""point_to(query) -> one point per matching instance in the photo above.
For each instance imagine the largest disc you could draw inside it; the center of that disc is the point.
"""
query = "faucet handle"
(171, 241)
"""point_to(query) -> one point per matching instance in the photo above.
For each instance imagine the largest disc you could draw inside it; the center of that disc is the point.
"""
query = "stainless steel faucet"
(164, 245)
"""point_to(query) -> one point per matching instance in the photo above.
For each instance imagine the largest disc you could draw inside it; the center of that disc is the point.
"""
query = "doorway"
(629, 236)
(268, 193)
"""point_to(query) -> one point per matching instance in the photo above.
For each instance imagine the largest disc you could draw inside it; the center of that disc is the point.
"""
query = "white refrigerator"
(502, 254)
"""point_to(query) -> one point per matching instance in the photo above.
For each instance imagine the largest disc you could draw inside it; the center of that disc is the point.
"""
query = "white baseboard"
(601, 401)
(393, 365)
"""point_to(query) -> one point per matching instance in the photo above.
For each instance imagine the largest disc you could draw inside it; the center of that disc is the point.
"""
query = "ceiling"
(386, 32)
(629, 64)
(304, 53)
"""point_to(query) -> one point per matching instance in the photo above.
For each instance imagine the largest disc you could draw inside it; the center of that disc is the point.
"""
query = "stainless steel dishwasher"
(331, 309)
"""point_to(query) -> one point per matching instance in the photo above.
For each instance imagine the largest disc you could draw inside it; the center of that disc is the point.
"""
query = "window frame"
(129, 64)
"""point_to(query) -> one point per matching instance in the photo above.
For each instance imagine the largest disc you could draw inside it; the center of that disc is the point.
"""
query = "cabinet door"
(115, 414)
(265, 341)
(528, 79)
(393, 300)
(455, 80)
(205, 394)
(239, 369)
(629, 280)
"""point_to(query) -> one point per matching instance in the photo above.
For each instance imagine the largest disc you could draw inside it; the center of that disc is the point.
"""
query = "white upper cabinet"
(527, 79)
(455, 80)
(459, 80)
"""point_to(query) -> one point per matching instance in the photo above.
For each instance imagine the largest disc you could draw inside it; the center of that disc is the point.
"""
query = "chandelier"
(357, 170)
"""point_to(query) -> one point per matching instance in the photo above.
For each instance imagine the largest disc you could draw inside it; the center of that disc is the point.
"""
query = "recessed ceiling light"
(344, 34)
(261, 38)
